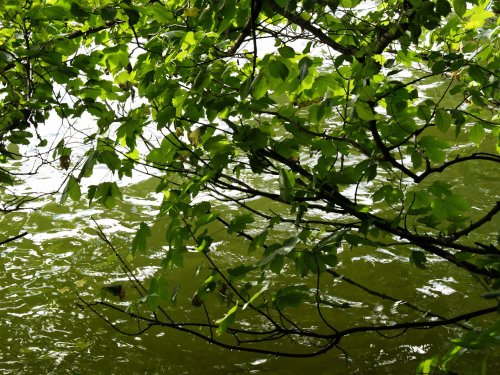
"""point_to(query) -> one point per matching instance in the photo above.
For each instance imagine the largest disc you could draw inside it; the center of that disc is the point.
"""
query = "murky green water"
(45, 329)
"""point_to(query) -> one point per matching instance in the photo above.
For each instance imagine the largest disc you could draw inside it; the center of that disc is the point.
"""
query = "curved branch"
(387, 154)
(458, 159)
(333, 339)
(419, 325)
(477, 224)
(306, 25)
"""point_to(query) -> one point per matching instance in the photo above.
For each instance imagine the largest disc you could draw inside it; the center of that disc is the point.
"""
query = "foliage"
(318, 110)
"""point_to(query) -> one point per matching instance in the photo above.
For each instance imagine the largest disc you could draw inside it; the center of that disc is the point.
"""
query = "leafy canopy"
(329, 125)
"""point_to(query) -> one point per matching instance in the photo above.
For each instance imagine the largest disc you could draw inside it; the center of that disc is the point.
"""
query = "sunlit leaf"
(478, 16)
(191, 12)
(80, 283)
(227, 320)
(255, 296)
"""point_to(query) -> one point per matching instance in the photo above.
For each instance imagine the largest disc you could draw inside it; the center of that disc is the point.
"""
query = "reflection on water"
(436, 287)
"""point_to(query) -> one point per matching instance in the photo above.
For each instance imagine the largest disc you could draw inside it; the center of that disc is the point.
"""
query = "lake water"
(44, 328)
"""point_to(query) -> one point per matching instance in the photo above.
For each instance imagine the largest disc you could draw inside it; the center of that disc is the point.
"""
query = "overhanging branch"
(306, 25)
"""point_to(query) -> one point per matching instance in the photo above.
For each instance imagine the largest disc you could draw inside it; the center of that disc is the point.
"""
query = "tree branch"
(3, 242)
(417, 325)
(306, 25)
(458, 159)
(256, 6)
(489, 215)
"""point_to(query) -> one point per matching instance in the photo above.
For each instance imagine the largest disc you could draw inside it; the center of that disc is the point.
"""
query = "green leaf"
(416, 157)
(478, 16)
(477, 74)
(77, 10)
(460, 6)
(440, 189)
(204, 244)
(388, 193)
(259, 86)
(290, 296)
(492, 294)
(161, 13)
(106, 193)
(139, 241)
(239, 272)
(50, 12)
(6, 178)
(258, 240)
(418, 258)
(227, 320)
(480, 340)
(132, 14)
(434, 148)
(355, 240)
(110, 159)
(240, 222)
(364, 111)
(286, 52)
(72, 189)
(303, 70)
(88, 166)
(439, 66)
(108, 13)
(245, 88)
(202, 80)
(255, 296)
(281, 250)
(443, 120)
(329, 259)
(424, 112)
(277, 263)
(425, 367)
(287, 185)
(443, 8)
(477, 133)
(278, 70)
(157, 292)
(454, 204)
